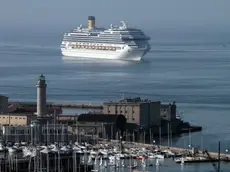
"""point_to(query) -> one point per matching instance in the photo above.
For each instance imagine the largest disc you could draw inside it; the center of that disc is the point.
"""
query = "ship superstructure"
(116, 42)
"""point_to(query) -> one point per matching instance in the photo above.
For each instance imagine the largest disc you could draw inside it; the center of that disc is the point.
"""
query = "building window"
(16, 117)
(121, 111)
(133, 119)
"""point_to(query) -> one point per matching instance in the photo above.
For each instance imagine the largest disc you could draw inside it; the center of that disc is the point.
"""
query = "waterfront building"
(16, 119)
(168, 111)
(137, 111)
(109, 124)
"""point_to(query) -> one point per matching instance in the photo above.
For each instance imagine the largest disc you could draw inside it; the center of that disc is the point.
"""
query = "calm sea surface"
(194, 73)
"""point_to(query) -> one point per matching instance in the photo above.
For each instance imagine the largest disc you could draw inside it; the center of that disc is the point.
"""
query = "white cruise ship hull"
(125, 54)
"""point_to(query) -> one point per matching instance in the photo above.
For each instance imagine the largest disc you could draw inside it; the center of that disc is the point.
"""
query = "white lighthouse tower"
(41, 96)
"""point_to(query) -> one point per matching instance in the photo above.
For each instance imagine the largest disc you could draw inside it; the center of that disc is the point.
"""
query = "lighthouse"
(41, 96)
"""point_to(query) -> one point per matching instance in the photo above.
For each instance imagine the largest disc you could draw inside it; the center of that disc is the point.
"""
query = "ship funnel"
(91, 22)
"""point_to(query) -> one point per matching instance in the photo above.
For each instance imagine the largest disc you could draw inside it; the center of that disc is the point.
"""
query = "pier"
(211, 156)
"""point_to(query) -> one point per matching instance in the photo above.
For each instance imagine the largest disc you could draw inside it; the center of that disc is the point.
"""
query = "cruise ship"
(116, 42)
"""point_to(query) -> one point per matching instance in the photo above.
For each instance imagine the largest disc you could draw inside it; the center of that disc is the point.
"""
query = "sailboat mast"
(168, 135)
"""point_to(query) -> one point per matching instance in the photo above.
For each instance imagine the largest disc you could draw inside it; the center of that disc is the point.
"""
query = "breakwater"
(62, 105)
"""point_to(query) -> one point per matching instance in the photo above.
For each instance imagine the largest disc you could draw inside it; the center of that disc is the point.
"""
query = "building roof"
(107, 118)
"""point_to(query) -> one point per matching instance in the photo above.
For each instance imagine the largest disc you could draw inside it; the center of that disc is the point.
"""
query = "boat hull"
(125, 54)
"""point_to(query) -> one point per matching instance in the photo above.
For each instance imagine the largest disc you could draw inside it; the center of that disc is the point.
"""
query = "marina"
(102, 156)
(45, 139)
(163, 52)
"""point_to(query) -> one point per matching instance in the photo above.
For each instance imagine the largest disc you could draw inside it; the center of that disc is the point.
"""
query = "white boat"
(156, 156)
(168, 152)
(192, 160)
(116, 42)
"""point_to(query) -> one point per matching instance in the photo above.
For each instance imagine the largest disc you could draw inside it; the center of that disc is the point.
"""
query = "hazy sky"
(160, 19)
(136, 12)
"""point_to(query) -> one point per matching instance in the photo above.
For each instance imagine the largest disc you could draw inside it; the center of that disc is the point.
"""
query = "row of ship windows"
(93, 36)
(95, 41)
(92, 39)
(96, 47)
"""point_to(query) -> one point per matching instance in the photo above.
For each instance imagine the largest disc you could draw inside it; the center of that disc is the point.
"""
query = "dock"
(212, 156)
(62, 105)
(199, 153)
